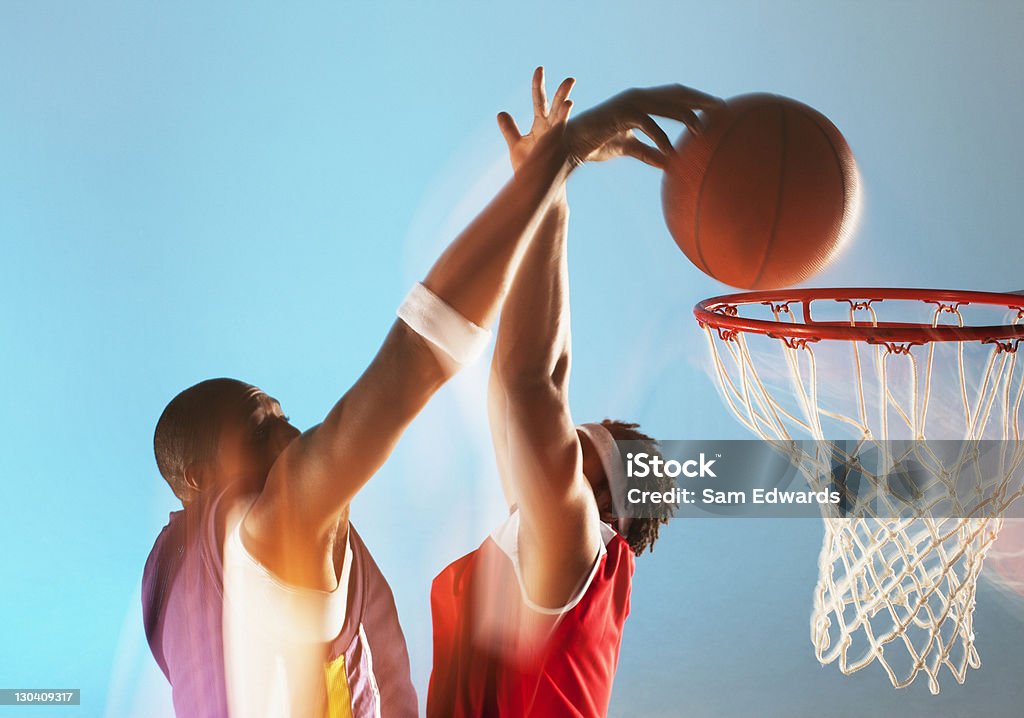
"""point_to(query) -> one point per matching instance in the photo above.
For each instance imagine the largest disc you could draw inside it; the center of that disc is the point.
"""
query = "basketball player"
(530, 623)
(259, 597)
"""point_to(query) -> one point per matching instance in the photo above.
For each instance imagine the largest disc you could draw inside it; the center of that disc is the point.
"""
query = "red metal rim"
(721, 313)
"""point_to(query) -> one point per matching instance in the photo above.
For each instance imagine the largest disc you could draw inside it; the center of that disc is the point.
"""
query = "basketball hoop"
(896, 584)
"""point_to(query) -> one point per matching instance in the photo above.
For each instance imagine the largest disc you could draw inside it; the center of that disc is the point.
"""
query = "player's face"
(251, 439)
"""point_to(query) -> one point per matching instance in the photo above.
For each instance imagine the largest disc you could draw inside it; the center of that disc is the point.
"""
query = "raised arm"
(534, 437)
(539, 454)
(291, 527)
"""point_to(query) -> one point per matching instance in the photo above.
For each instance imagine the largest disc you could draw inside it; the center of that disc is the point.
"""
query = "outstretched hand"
(546, 118)
(609, 129)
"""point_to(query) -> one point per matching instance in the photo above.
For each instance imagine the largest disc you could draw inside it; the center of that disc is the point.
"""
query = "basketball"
(765, 196)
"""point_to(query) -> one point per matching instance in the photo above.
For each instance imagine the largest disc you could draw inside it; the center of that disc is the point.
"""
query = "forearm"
(533, 344)
(475, 271)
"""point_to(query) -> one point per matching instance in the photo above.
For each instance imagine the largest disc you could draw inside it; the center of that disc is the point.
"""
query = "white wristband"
(447, 331)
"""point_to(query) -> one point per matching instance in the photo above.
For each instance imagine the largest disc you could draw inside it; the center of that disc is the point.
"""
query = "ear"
(193, 477)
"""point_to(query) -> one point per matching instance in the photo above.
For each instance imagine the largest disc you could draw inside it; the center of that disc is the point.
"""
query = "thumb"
(509, 129)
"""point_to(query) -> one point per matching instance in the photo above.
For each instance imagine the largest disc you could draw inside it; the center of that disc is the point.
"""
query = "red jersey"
(496, 653)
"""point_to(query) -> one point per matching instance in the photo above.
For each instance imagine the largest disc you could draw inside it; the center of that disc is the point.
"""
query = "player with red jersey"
(530, 623)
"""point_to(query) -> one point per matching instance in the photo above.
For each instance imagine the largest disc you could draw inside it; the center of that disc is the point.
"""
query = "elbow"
(547, 373)
(525, 381)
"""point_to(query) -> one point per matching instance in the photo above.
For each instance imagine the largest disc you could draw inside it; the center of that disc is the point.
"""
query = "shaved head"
(189, 428)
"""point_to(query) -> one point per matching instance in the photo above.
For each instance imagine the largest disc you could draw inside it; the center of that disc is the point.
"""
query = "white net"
(896, 583)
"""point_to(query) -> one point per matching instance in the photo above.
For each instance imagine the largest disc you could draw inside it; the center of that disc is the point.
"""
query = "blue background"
(195, 189)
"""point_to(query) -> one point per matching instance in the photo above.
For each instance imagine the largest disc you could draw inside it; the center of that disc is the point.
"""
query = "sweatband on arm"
(448, 332)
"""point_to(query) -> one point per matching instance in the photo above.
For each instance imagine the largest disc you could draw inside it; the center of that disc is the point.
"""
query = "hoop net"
(896, 584)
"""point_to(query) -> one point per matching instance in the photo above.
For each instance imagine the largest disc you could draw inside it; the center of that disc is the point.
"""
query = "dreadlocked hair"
(643, 532)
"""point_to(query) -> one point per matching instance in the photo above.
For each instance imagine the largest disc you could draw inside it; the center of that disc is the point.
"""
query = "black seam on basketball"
(778, 199)
(706, 268)
(703, 264)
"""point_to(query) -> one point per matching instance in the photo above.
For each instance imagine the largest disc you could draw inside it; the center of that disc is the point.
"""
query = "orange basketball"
(764, 196)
